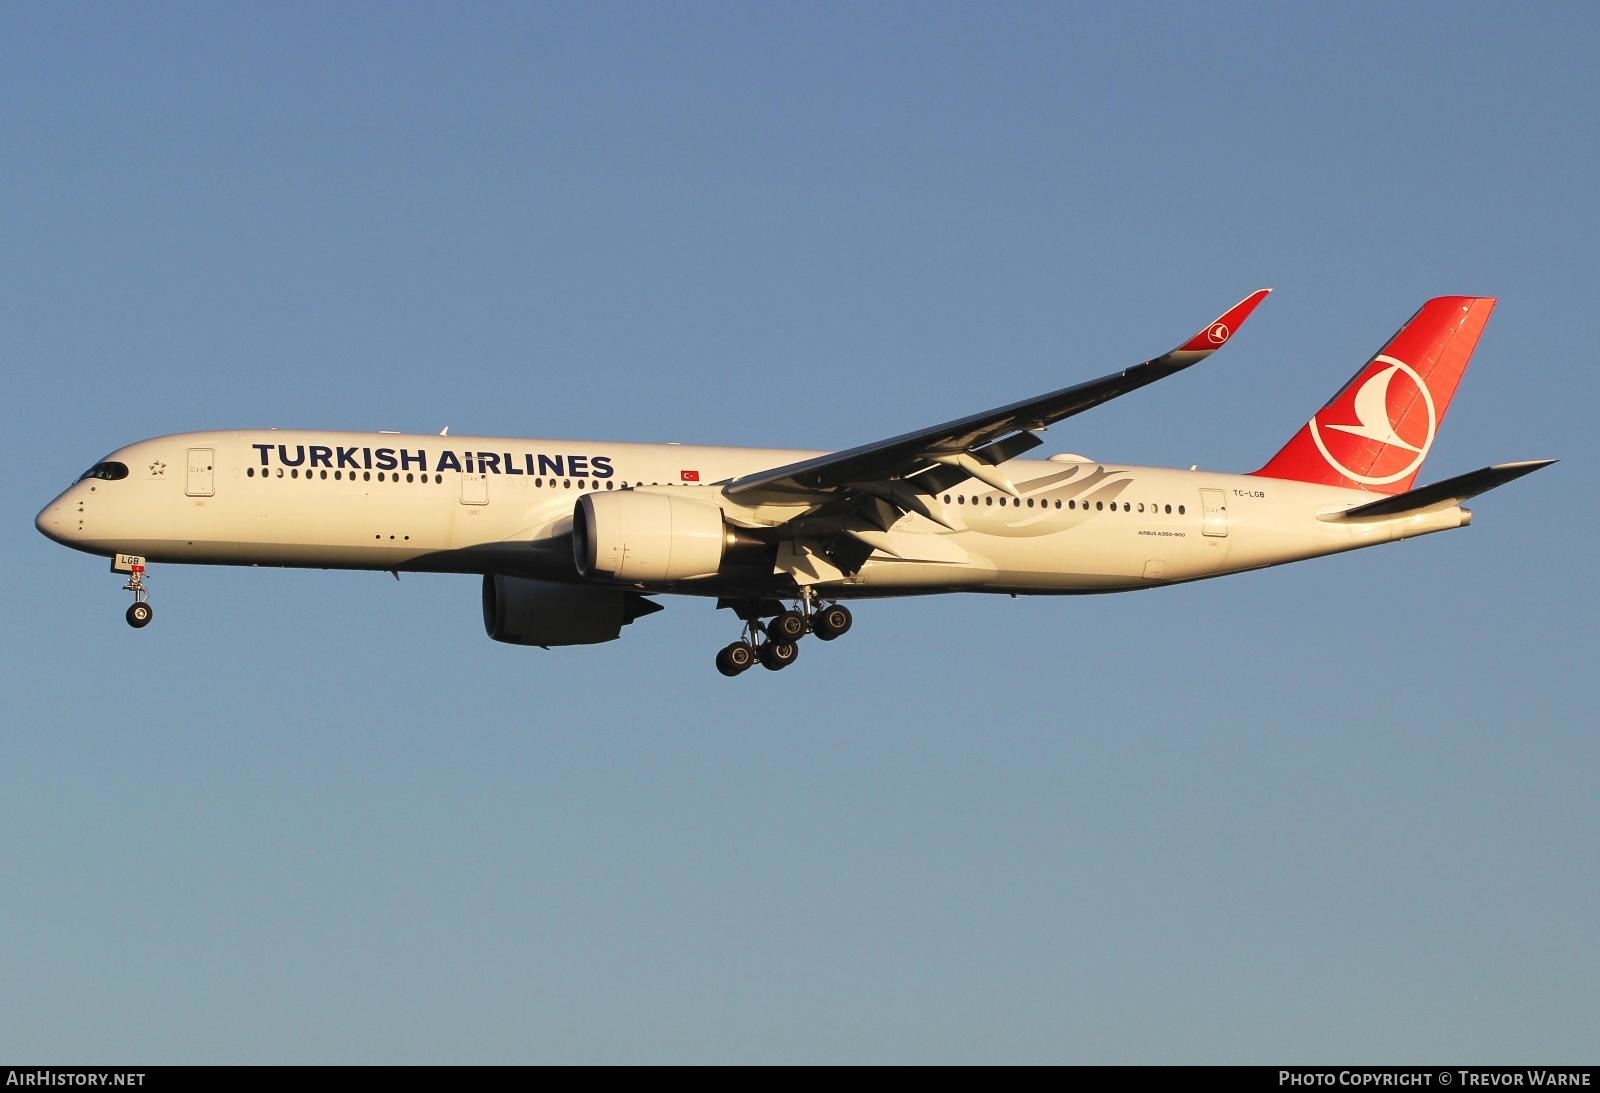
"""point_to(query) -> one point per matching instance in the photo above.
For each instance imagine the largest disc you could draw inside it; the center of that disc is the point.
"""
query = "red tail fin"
(1375, 433)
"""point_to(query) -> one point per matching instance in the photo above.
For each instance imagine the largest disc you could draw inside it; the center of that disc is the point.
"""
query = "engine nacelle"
(633, 536)
(528, 612)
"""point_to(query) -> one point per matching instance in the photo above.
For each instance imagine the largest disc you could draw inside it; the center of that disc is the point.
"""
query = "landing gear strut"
(139, 614)
(775, 644)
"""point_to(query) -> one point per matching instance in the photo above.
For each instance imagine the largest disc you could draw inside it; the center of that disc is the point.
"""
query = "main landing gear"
(775, 644)
(140, 613)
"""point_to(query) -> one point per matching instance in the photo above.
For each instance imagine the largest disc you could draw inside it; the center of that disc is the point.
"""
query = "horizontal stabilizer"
(1452, 491)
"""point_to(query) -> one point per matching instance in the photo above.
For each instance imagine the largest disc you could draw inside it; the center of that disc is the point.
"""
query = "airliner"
(574, 538)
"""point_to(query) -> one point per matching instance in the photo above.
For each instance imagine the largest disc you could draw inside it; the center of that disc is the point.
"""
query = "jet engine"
(521, 611)
(632, 536)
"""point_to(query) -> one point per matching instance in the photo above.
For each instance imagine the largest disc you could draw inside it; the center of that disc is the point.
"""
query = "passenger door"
(201, 479)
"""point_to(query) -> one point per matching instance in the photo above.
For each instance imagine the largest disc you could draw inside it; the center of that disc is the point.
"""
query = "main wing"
(935, 458)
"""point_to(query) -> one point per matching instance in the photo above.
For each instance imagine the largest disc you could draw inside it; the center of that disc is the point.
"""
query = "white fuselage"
(388, 501)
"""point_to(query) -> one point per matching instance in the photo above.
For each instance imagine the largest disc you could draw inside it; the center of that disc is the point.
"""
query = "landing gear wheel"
(777, 655)
(788, 628)
(735, 658)
(139, 615)
(831, 622)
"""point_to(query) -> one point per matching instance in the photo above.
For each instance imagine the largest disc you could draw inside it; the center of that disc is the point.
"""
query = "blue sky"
(1339, 811)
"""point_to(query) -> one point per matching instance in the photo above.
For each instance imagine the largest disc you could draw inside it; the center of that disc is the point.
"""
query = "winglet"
(1223, 326)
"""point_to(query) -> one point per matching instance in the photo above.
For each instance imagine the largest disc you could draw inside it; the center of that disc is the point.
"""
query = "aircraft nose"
(52, 521)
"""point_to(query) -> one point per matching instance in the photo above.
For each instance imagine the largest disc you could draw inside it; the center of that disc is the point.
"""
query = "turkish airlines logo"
(1217, 334)
(1398, 384)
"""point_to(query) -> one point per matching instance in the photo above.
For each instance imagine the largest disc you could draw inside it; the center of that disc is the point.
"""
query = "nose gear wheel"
(140, 613)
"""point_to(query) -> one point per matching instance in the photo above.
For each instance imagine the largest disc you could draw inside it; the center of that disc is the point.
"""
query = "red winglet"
(1223, 327)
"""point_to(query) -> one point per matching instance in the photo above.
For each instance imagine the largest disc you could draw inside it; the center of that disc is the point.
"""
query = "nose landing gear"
(140, 613)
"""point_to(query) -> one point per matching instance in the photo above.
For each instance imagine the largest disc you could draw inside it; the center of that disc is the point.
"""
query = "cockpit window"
(108, 472)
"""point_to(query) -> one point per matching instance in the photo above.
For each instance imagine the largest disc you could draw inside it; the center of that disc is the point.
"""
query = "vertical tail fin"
(1375, 433)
